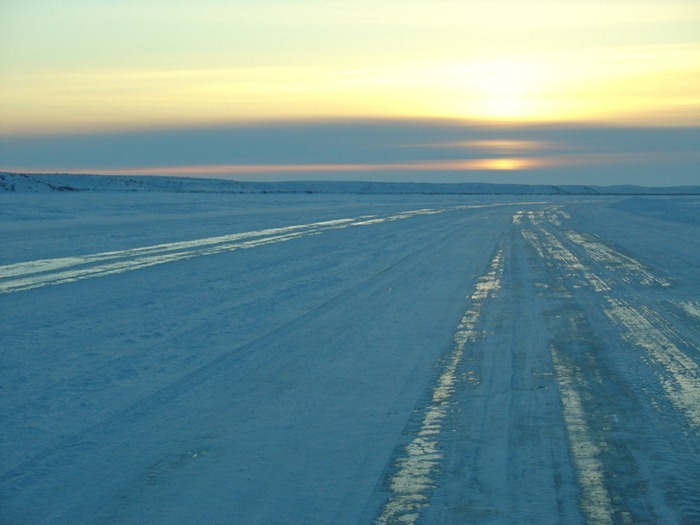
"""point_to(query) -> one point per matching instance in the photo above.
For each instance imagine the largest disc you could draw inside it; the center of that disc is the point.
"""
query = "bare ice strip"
(34, 274)
(681, 374)
(614, 260)
(594, 500)
(416, 469)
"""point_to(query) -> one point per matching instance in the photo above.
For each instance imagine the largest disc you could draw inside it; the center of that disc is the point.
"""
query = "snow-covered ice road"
(267, 359)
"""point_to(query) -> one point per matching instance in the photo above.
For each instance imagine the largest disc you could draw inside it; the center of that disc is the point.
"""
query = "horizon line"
(349, 181)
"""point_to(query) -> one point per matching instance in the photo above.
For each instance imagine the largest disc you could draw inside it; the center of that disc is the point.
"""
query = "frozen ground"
(317, 359)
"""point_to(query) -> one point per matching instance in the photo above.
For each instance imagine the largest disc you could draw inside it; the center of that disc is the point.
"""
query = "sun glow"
(504, 91)
(434, 166)
(622, 84)
(219, 62)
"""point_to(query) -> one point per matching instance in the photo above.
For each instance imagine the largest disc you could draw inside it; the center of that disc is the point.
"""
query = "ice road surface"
(348, 359)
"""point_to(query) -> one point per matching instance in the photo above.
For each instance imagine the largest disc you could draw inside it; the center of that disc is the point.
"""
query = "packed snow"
(202, 357)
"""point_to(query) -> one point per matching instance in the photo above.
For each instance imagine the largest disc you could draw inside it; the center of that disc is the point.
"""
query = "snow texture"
(185, 357)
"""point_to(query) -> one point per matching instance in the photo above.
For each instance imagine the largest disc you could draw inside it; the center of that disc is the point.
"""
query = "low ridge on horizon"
(51, 182)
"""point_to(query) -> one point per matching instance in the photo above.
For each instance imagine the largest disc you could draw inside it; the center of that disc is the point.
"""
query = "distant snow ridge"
(40, 183)
(64, 182)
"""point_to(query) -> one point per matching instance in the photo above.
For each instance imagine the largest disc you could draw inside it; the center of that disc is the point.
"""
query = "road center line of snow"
(420, 462)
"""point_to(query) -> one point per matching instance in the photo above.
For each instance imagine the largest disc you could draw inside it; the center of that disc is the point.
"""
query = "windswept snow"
(350, 359)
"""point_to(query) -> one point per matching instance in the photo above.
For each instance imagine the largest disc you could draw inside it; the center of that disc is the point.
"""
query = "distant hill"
(57, 182)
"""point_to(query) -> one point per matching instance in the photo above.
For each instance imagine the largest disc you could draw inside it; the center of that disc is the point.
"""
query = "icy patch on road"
(681, 377)
(113, 268)
(558, 252)
(556, 215)
(595, 500)
(34, 274)
(372, 219)
(681, 380)
(614, 260)
(534, 240)
(417, 468)
(690, 308)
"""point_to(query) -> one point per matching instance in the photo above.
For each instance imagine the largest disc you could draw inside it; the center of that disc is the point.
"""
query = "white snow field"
(349, 359)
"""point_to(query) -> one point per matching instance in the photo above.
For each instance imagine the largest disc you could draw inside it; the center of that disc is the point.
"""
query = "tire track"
(594, 500)
(419, 463)
(70, 448)
(691, 309)
(17, 277)
(632, 270)
(638, 467)
(34, 274)
(160, 360)
(22, 276)
(680, 374)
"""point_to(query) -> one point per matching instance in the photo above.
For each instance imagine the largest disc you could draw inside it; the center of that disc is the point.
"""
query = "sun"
(501, 90)
(504, 91)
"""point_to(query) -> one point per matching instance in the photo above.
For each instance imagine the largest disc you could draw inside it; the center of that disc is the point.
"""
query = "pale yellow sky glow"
(78, 65)
(508, 163)
(497, 164)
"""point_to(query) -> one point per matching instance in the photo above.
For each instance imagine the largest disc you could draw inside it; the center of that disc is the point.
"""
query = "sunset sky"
(523, 91)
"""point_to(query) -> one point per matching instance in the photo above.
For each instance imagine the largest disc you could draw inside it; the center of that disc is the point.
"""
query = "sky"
(577, 91)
